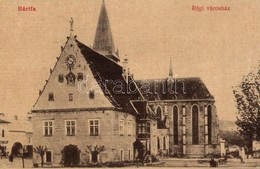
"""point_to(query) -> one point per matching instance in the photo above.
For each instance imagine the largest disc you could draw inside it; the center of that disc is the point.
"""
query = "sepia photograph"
(133, 84)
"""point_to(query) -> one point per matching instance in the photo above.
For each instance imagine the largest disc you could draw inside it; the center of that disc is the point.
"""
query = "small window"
(121, 155)
(121, 127)
(129, 127)
(70, 97)
(80, 76)
(91, 94)
(61, 78)
(3, 133)
(51, 96)
(48, 156)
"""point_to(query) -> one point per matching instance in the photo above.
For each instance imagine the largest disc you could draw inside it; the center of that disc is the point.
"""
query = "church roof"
(103, 42)
(174, 89)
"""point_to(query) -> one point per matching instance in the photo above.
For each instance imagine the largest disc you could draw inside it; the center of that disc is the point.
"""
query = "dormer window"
(51, 96)
(80, 76)
(91, 94)
(61, 78)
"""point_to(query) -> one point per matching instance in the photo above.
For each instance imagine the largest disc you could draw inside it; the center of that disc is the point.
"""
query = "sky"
(217, 46)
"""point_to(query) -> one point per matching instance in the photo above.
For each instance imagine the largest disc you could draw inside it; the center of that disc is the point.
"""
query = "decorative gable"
(71, 76)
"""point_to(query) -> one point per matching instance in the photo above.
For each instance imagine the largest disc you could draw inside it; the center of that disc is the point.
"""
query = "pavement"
(198, 163)
(168, 163)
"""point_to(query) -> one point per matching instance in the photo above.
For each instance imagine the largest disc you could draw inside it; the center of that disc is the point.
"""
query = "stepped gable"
(174, 89)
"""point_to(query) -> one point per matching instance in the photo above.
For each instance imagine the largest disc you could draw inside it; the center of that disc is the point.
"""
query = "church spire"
(103, 42)
(170, 71)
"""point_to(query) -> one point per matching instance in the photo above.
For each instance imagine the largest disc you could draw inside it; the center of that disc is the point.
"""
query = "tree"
(247, 97)
(41, 151)
(95, 151)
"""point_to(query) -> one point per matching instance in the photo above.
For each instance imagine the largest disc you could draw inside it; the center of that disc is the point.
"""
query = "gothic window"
(175, 125)
(129, 155)
(195, 124)
(158, 143)
(61, 78)
(91, 94)
(51, 96)
(80, 76)
(209, 124)
(159, 112)
(121, 155)
(129, 127)
(164, 143)
(70, 78)
(70, 97)
(121, 127)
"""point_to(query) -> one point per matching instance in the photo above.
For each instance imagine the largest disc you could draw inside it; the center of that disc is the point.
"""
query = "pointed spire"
(103, 41)
(170, 71)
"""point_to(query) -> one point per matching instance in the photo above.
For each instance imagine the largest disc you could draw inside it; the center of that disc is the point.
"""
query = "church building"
(92, 110)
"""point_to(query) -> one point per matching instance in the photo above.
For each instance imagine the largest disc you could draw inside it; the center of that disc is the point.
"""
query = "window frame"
(129, 127)
(175, 116)
(51, 97)
(195, 132)
(71, 98)
(94, 125)
(48, 128)
(45, 156)
(121, 127)
(75, 128)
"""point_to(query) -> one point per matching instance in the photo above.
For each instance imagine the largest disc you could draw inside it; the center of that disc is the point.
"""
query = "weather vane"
(71, 24)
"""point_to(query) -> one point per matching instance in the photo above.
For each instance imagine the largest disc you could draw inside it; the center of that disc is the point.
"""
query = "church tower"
(103, 42)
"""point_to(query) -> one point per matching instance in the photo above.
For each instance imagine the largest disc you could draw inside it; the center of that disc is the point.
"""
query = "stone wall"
(109, 134)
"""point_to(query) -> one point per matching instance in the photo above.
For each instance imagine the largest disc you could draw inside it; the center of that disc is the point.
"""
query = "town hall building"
(87, 113)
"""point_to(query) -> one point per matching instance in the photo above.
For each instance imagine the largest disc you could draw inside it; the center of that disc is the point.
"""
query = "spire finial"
(170, 71)
(71, 24)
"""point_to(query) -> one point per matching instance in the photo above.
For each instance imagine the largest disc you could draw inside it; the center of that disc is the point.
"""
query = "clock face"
(70, 61)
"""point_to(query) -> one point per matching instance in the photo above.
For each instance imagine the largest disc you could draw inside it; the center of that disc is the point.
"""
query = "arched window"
(159, 112)
(158, 143)
(164, 143)
(195, 124)
(175, 125)
(209, 123)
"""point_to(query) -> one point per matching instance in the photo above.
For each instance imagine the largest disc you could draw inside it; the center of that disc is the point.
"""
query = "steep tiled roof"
(109, 76)
(174, 89)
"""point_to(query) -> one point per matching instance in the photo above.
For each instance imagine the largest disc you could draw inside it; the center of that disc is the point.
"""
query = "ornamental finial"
(71, 24)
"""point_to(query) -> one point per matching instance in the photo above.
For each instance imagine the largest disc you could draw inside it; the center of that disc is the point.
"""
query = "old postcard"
(134, 83)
